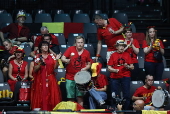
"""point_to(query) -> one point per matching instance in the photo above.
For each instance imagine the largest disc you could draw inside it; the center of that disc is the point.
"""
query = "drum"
(160, 98)
(83, 81)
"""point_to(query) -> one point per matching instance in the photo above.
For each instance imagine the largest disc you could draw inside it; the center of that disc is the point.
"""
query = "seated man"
(100, 82)
(145, 93)
(53, 47)
(44, 30)
(18, 33)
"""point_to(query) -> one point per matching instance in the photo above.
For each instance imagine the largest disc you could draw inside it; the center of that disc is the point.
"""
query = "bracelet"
(97, 55)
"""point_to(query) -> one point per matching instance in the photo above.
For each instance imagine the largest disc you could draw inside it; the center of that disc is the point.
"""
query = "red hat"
(19, 49)
(96, 68)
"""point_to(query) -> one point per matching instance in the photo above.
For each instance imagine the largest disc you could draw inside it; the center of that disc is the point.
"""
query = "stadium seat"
(89, 28)
(166, 73)
(1, 77)
(62, 18)
(94, 12)
(61, 38)
(61, 72)
(56, 11)
(141, 61)
(103, 53)
(134, 85)
(121, 17)
(71, 38)
(76, 11)
(105, 72)
(103, 15)
(37, 11)
(90, 48)
(160, 83)
(27, 49)
(5, 18)
(81, 18)
(28, 59)
(3, 11)
(63, 48)
(133, 28)
(43, 17)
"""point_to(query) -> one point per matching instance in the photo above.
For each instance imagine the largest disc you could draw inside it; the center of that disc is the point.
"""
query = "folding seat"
(89, 28)
(166, 73)
(90, 48)
(93, 12)
(134, 85)
(105, 71)
(56, 11)
(3, 11)
(43, 17)
(76, 11)
(28, 59)
(92, 39)
(72, 36)
(160, 83)
(103, 53)
(61, 72)
(37, 11)
(61, 38)
(27, 49)
(1, 77)
(133, 28)
(141, 61)
(121, 17)
(5, 18)
(62, 18)
(63, 48)
(81, 18)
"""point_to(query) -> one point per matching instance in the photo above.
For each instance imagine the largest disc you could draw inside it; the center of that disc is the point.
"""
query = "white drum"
(83, 80)
(160, 98)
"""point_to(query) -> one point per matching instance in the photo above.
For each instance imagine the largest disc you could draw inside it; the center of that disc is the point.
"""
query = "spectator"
(45, 92)
(18, 33)
(153, 66)
(133, 49)
(119, 65)
(18, 69)
(110, 31)
(77, 58)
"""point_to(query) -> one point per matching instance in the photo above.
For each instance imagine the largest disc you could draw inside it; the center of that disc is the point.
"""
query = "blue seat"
(62, 18)
(43, 17)
(61, 38)
(5, 18)
(81, 18)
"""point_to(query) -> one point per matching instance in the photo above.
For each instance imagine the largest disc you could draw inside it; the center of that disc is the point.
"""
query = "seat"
(141, 52)
(81, 18)
(3, 11)
(27, 49)
(89, 28)
(164, 62)
(5, 18)
(141, 75)
(63, 48)
(62, 18)
(133, 28)
(2, 26)
(90, 48)
(93, 12)
(103, 15)
(28, 18)
(134, 85)
(37, 11)
(92, 39)
(28, 59)
(166, 73)
(121, 17)
(105, 71)
(61, 38)
(76, 11)
(71, 38)
(160, 83)
(103, 53)
(1, 77)
(61, 72)
(56, 11)
(141, 61)
(43, 17)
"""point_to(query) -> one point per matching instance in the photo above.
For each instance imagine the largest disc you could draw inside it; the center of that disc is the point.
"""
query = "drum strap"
(149, 104)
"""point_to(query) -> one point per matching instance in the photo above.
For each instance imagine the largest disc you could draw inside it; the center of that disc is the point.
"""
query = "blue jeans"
(96, 96)
(154, 69)
(116, 85)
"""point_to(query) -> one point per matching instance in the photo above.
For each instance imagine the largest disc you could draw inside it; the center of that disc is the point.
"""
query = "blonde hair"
(9, 41)
(148, 39)
(79, 37)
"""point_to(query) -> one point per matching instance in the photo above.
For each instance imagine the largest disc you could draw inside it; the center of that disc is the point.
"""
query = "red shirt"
(144, 92)
(13, 31)
(110, 39)
(100, 81)
(150, 56)
(117, 61)
(76, 62)
(131, 52)
(19, 29)
(39, 38)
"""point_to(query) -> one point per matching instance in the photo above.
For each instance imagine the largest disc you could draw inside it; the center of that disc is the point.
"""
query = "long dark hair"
(40, 45)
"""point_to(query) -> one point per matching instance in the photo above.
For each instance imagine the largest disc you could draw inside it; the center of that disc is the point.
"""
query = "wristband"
(97, 55)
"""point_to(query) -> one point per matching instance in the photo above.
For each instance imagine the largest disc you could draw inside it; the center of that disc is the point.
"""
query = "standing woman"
(133, 49)
(151, 45)
(18, 69)
(6, 56)
(45, 92)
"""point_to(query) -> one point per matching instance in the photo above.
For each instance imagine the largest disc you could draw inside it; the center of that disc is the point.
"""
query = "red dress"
(45, 92)
(15, 73)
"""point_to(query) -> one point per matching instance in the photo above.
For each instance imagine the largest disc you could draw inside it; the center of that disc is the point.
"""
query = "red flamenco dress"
(45, 92)
(16, 70)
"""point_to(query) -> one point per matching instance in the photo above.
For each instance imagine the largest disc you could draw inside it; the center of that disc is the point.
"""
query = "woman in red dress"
(45, 92)
(18, 69)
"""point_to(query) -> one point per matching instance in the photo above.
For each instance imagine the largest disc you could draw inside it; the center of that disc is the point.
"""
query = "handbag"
(158, 55)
